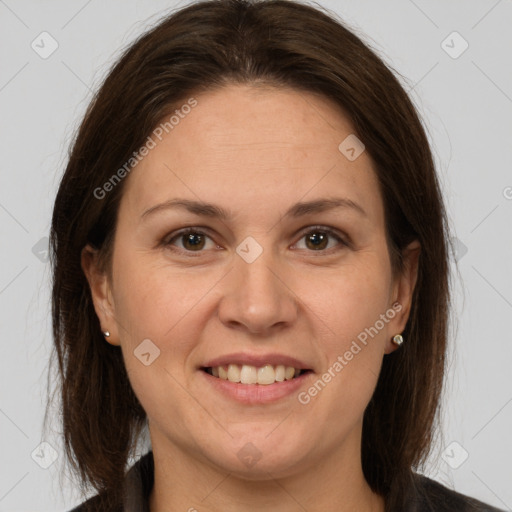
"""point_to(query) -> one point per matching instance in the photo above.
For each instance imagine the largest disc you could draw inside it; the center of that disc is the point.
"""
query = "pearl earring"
(397, 339)
(106, 334)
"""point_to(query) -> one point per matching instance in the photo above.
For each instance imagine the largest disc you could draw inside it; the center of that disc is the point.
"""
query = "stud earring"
(106, 334)
(397, 339)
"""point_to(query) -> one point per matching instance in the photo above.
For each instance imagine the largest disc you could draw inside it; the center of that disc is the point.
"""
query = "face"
(272, 283)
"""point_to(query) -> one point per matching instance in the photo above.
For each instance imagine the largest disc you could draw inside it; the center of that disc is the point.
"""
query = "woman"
(249, 250)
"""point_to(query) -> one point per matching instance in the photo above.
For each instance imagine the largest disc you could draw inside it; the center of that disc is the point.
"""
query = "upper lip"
(257, 360)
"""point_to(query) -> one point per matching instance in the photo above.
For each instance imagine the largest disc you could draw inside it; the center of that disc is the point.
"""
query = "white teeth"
(248, 374)
(233, 373)
(280, 372)
(266, 374)
(289, 373)
(223, 374)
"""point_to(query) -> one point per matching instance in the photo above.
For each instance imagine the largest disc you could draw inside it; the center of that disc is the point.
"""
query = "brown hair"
(203, 46)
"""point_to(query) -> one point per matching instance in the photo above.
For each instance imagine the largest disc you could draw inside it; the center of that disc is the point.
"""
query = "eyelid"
(331, 232)
(200, 230)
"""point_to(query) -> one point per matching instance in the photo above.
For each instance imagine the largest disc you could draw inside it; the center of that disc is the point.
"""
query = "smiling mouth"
(247, 374)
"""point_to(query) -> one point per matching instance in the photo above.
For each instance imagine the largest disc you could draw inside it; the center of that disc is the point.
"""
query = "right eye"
(191, 239)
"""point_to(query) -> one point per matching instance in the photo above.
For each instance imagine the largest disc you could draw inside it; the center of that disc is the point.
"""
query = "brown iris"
(318, 239)
(195, 240)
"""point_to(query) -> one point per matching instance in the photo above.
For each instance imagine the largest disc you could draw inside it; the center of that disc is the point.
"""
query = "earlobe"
(403, 291)
(101, 293)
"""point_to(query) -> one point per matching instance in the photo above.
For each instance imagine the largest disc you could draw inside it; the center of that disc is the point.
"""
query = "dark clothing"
(427, 495)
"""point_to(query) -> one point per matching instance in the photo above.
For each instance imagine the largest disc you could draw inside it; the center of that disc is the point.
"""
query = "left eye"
(193, 240)
(317, 238)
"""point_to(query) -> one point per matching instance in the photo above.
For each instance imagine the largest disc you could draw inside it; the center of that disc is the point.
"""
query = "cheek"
(355, 298)
(166, 306)
(150, 298)
(354, 335)
(155, 304)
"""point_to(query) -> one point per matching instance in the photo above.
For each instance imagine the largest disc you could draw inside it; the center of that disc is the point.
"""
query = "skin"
(255, 152)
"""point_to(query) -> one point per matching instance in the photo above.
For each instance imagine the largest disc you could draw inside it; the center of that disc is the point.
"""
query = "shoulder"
(99, 502)
(91, 504)
(136, 490)
(431, 496)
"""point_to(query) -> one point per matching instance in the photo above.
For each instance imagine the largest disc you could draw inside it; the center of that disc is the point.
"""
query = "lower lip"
(256, 393)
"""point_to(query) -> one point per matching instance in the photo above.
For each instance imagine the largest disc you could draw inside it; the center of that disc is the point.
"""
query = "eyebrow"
(214, 211)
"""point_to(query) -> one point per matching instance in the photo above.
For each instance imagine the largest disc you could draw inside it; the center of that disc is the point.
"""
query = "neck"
(334, 482)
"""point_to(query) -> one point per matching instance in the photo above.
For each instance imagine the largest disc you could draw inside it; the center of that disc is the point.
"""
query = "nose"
(257, 297)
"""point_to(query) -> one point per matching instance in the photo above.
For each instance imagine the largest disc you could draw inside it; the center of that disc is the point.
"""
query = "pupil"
(190, 239)
(317, 237)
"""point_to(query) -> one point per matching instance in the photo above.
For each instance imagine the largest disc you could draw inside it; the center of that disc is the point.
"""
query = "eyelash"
(168, 242)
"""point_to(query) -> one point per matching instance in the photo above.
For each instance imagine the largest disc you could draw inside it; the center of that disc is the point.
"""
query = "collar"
(422, 494)
(139, 483)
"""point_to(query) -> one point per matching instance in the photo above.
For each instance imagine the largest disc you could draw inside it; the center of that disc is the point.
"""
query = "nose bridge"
(257, 299)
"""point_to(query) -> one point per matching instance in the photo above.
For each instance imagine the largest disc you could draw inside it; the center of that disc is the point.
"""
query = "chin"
(260, 458)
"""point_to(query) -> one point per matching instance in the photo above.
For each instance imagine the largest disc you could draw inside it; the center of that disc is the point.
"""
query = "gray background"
(466, 103)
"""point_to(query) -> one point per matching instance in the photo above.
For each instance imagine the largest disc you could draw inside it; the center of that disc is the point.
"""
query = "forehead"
(242, 145)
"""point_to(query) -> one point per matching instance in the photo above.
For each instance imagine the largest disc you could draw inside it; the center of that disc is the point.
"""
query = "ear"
(101, 292)
(402, 292)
